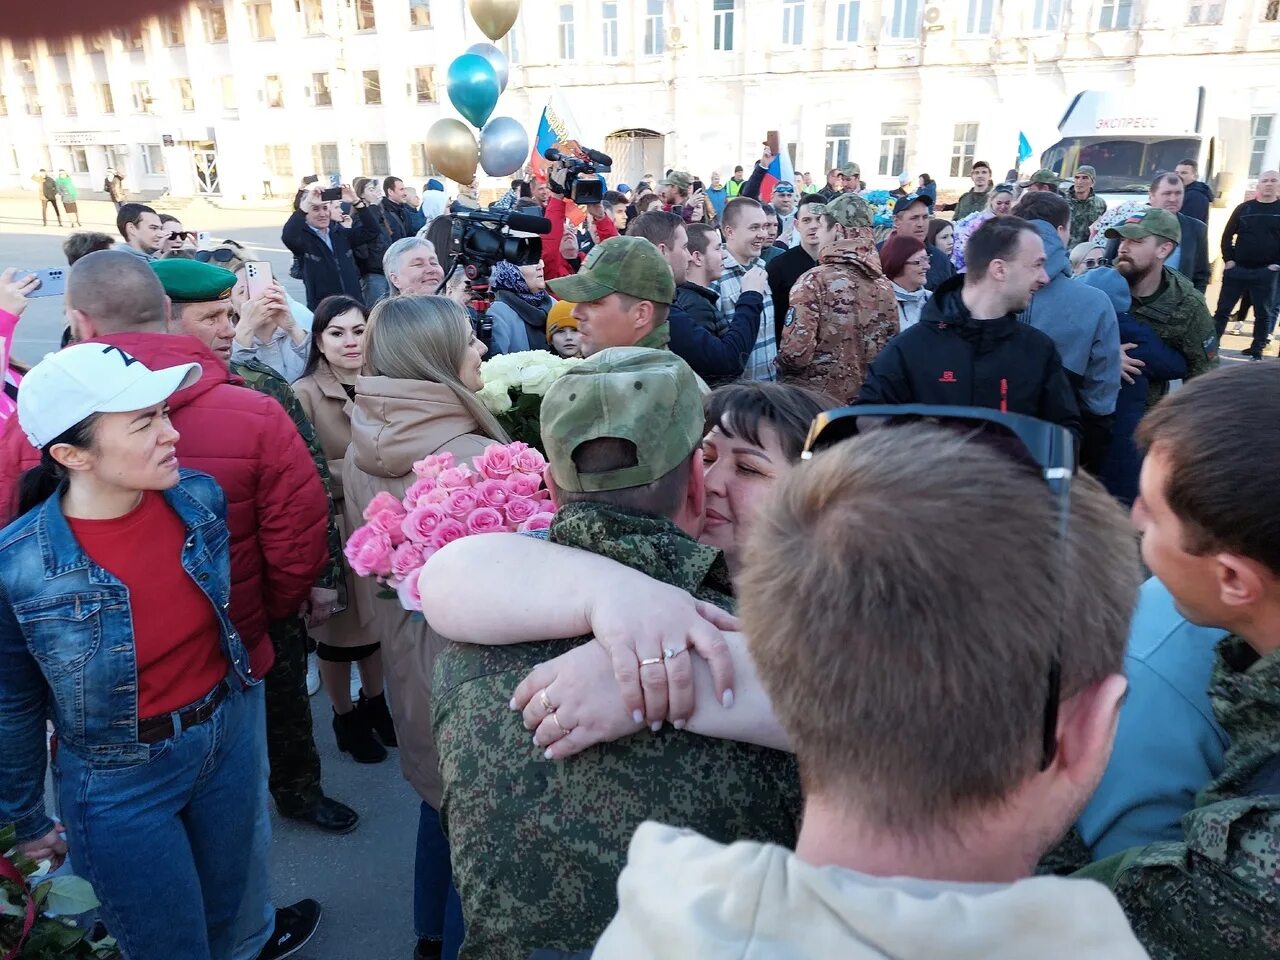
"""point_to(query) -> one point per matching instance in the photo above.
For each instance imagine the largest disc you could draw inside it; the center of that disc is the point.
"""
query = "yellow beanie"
(560, 318)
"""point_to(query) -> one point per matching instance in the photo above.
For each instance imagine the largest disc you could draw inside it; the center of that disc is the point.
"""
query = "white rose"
(495, 397)
(536, 378)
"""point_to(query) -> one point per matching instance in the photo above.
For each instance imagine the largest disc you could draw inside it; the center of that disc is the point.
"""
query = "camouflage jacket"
(1215, 895)
(1178, 314)
(536, 846)
(971, 201)
(842, 314)
(1083, 214)
(258, 376)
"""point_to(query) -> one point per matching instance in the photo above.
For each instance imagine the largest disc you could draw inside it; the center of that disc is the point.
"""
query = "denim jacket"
(66, 643)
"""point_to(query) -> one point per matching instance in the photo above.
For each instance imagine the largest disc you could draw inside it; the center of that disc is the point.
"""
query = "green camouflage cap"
(649, 397)
(677, 178)
(190, 281)
(1088, 171)
(851, 170)
(849, 210)
(1046, 176)
(1148, 222)
(630, 265)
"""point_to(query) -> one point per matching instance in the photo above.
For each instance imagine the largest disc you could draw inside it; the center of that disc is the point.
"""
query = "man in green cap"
(1086, 205)
(677, 193)
(537, 847)
(1045, 180)
(842, 312)
(1164, 298)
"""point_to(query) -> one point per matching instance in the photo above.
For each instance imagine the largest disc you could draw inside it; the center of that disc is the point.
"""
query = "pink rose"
(406, 559)
(408, 592)
(437, 495)
(530, 461)
(448, 531)
(455, 478)
(492, 493)
(540, 521)
(485, 520)
(495, 462)
(461, 503)
(383, 501)
(517, 446)
(524, 484)
(431, 466)
(389, 521)
(420, 488)
(368, 550)
(422, 522)
(520, 509)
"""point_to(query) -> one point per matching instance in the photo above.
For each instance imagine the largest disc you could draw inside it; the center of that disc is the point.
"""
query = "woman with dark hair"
(905, 262)
(941, 235)
(929, 190)
(114, 593)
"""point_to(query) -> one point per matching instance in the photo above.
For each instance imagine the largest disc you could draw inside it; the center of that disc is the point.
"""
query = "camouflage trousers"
(291, 749)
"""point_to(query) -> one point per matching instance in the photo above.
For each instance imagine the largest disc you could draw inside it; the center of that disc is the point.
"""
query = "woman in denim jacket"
(114, 596)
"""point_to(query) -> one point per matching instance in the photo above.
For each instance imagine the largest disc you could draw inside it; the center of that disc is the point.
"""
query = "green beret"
(190, 281)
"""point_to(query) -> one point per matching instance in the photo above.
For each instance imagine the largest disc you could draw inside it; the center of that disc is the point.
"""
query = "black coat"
(952, 359)
(717, 359)
(386, 228)
(700, 304)
(326, 272)
(1196, 201)
(783, 273)
(1193, 262)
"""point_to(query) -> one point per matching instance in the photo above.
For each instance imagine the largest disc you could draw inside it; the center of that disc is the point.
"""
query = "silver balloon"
(504, 147)
(497, 59)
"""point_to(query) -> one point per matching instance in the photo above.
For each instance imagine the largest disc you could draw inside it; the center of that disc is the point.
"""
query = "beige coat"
(394, 424)
(329, 410)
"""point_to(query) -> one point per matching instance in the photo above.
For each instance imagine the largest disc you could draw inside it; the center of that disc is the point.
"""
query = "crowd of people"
(804, 445)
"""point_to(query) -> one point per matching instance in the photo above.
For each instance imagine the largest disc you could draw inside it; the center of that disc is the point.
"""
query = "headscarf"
(507, 276)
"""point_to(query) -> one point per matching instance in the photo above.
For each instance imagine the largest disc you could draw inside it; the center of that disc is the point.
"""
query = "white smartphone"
(53, 283)
(204, 236)
(257, 277)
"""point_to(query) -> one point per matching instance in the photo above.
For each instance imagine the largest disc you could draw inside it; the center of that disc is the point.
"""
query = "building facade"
(235, 98)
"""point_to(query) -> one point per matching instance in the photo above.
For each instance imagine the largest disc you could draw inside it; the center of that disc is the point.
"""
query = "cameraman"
(554, 263)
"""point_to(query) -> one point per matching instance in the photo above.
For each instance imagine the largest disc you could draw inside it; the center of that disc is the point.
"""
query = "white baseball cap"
(67, 386)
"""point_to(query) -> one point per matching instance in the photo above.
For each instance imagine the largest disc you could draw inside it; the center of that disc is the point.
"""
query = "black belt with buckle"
(155, 729)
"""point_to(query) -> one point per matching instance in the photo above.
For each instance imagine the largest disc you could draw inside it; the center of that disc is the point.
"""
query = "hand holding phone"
(16, 288)
(330, 194)
(50, 282)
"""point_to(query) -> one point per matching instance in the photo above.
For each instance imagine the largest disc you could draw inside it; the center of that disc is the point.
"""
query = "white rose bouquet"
(514, 384)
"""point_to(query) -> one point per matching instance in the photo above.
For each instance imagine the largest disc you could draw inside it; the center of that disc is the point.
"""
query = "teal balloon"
(473, 88)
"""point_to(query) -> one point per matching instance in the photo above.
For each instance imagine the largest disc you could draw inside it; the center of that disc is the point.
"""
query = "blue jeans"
(158, 840)
(437, 909)
(257, 920)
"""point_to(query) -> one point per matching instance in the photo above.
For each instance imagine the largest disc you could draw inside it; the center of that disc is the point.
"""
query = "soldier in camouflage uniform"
(842, 311)
(1085, 210)
(537, 847)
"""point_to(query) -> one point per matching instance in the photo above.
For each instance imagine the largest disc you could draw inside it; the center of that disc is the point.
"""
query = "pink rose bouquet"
(501, 491)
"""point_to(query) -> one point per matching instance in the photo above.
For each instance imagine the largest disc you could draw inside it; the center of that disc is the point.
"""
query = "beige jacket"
(683, 897)
(393, 424)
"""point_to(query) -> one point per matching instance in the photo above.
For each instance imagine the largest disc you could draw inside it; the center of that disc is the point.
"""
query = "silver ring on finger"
(650, 661)
(670, 653)
(559, 725)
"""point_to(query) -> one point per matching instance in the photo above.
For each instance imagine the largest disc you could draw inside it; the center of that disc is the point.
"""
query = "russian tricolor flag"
(780, 171)
(556, 126)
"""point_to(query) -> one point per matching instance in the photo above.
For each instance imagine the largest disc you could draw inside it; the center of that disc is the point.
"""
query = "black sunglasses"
(1046, 448)
(221, 255)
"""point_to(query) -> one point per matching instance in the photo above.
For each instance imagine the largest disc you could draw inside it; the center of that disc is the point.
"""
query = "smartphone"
(771, 141)
(335, 180)
(310, 179)
(204, 236)
(333, 193)
(698, 185)
(257, 278)
(53, 283)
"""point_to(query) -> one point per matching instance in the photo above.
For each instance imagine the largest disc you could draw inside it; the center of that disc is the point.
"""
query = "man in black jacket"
(1251, 249)
(1191, 258)
(969, 348)
(786, 269)
(325, 249)
(1198, 194)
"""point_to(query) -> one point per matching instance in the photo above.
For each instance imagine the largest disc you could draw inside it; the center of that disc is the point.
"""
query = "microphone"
(529, 223)
(595, 156)
(552, 154)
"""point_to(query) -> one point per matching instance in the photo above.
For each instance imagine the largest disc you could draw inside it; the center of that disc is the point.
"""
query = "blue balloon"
(473, 88)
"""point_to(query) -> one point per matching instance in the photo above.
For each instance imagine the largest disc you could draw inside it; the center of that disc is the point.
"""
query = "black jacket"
(717, 359)
(783, 273)
(952, 359)
(700, 304)
(1196, 200)
(326, 272)
(1252, 235)
(386, 228)
(1193, 262)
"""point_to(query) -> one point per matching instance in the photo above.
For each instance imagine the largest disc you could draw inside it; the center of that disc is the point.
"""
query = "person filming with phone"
(323, 247)
(267, 329)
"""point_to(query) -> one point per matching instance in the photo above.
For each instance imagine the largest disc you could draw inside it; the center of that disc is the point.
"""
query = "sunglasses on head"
(785, 188)
(221, 255)
(1046, 449)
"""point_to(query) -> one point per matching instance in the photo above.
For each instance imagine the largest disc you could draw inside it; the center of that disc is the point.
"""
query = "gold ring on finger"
(546, 703)
(559, 725)
(650, 661)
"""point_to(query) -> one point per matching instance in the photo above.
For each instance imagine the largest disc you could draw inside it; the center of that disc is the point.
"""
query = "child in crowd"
(562, 330)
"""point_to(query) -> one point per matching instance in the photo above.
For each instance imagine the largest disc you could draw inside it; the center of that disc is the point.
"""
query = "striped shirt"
(763, 362)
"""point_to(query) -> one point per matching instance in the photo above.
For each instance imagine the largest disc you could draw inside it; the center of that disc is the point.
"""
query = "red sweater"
(553, 264)
(176, 638)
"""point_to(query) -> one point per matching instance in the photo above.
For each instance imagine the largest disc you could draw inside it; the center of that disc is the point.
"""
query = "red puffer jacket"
(276, 505)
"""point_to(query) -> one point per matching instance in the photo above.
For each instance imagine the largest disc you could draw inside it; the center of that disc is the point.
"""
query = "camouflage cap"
(677, 178)
(851, 170)
(190, 281)
(849, 210)
(630, 265)
(1087, 170)
(1045, 176)
(1148, 222)
(648, 397)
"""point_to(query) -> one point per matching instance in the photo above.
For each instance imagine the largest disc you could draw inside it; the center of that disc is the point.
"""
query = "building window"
(132, 38)
(1115, 14)
(275, 91)
(848, 15)
(172, 28)
(655, 31)
(31, 98)
(94, 44)
(141, 95)
(566, 31)
(364, 15)
(56, 46)
(321, 93)
(1272, 11)
(1200, 14)
(510, 46)
(215, 22)
(792, 22)
(279, 160)
(1260, 134)
(904, 20)
(152, 158)
(837, 154)
(372, 87)
(609, 21)
(1047, 16)
(183, 94)
(228, 85)
(963, 145)
(261, 26)
(421, 163)
(374, 160)
(105, 101)
(313, 17)
(893, 147)
(68, 99)
(4, 105)
(324, 159)
(79, 159)
(723, 14)
(978, 21)
(419, 13)
(424, 84)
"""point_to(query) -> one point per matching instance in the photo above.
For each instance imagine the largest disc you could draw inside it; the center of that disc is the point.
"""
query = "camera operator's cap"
(1088, 171)
(849, 210)
(630, 265)
(680, 179)
(190, 281)
(1045, 176)
(1148, 222)
(851, 170)
(648, 397)
(87, 378)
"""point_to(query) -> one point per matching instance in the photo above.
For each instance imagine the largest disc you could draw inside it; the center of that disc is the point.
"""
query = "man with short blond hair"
(744, 232)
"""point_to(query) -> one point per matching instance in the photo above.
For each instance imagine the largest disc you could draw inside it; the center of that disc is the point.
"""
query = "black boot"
(355, 736)
(379, 717)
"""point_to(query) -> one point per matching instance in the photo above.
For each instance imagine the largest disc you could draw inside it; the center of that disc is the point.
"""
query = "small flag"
(780, 171)
(1024, 148)
(556, 127)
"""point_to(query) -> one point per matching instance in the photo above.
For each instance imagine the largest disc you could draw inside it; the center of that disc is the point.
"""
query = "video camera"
(582, 160)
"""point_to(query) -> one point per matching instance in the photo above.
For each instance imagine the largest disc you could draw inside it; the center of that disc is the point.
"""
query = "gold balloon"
(494, 17)
(453, 150)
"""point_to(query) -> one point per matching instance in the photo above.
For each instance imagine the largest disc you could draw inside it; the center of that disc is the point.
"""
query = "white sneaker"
(313, 675)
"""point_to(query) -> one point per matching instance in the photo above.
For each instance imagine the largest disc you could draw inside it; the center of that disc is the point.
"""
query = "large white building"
(220, 95)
